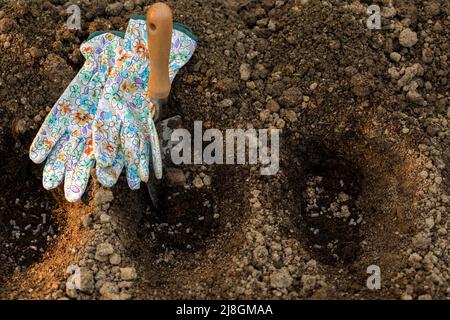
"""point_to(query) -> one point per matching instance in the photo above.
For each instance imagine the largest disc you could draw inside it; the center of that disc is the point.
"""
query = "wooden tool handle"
(159, 33)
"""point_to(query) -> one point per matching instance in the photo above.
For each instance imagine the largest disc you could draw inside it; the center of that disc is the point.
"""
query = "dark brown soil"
(186, 216)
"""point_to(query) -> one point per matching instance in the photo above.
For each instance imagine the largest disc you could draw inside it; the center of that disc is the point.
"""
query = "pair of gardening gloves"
(104, 119)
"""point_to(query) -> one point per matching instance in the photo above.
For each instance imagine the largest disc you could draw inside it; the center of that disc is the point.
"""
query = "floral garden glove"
(125, 124)
(65, 137)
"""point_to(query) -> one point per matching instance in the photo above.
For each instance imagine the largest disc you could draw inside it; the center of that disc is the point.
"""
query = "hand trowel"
(159, 33)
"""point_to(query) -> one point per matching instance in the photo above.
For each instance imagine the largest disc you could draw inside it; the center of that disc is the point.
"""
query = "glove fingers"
(54, 168)
(50, 132)
(78, 171)
(106, 136)
(144, 161)
(156, 150)
(108, 176)
(131, 146)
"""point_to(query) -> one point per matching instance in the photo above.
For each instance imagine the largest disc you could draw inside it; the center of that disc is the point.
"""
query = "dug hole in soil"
(363, 179)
